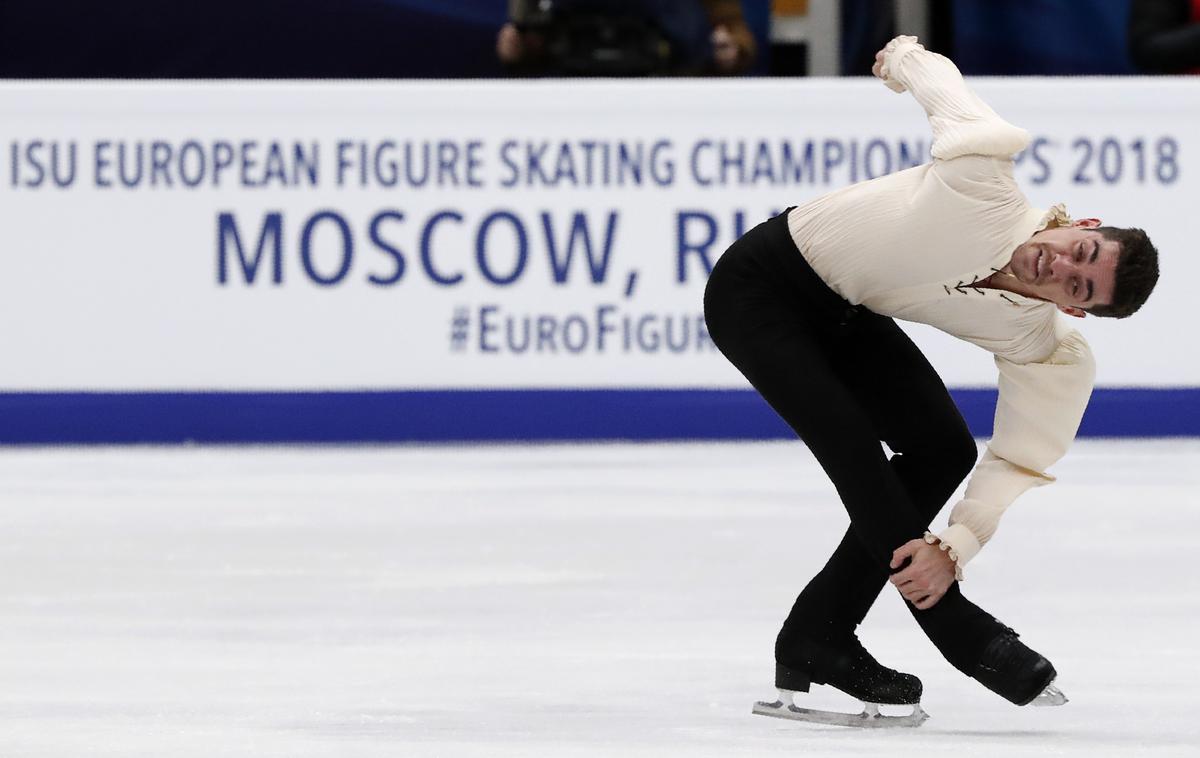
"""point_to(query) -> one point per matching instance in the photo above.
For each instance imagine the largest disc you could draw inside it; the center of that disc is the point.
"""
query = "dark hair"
(1137, 272)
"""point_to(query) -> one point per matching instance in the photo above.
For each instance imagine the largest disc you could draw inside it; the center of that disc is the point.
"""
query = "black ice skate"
(848, 667)
(1016, 673)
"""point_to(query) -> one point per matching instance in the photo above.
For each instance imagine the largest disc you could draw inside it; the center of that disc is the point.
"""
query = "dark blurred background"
(469, 38)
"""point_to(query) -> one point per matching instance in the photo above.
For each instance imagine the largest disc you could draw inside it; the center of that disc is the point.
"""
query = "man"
(804, 304)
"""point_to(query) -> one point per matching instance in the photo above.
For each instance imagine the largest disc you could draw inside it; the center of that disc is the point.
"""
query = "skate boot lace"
(861, 653)
(1004, 651)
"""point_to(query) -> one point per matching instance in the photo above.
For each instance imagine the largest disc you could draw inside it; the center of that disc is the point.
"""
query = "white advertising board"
(308, 236)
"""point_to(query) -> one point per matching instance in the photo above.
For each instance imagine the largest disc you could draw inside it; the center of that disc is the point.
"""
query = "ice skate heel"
(791, 679)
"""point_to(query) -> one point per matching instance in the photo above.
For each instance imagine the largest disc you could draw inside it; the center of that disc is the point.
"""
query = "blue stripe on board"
(494, 415)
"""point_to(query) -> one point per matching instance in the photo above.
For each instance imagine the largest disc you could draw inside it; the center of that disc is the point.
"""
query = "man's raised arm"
(1037, 415)
(962, 123)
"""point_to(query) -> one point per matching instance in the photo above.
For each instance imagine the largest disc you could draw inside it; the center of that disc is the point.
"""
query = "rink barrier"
(494, 416)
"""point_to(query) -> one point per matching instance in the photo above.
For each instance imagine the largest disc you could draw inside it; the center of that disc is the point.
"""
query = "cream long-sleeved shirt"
(911, 245)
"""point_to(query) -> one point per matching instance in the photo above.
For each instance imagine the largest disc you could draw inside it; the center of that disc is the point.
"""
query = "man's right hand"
(929, 574)
(881, 56)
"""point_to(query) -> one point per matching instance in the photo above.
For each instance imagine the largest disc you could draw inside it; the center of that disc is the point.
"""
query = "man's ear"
(1071, 310)
(1086, 223)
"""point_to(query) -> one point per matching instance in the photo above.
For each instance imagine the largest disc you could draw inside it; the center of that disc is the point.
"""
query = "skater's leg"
(932, 453)
(784, 358)
(786, 354)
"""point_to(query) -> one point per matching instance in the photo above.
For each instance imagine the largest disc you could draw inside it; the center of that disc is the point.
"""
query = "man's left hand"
(927, 577)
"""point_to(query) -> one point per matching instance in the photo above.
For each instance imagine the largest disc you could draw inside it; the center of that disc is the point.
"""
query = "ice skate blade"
(870, 718)
(1051, 696)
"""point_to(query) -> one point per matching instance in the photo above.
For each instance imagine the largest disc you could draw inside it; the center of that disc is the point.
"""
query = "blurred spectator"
(626, 38)
(1164, 36)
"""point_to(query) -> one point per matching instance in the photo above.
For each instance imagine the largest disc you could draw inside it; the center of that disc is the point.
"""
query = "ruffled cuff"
(933, 539)
(892, 53)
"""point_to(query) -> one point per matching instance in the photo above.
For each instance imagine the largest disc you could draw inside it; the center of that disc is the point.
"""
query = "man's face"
(1072, 266)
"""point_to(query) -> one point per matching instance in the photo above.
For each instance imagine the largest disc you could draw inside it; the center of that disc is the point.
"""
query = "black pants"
(846, 379)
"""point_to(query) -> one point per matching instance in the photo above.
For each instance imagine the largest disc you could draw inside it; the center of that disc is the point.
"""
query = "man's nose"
(1061, 265)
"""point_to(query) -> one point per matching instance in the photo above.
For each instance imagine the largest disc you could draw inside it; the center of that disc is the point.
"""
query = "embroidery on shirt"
(977, 285)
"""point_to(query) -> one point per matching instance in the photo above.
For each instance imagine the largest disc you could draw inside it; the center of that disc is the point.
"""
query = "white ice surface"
(559, 601)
